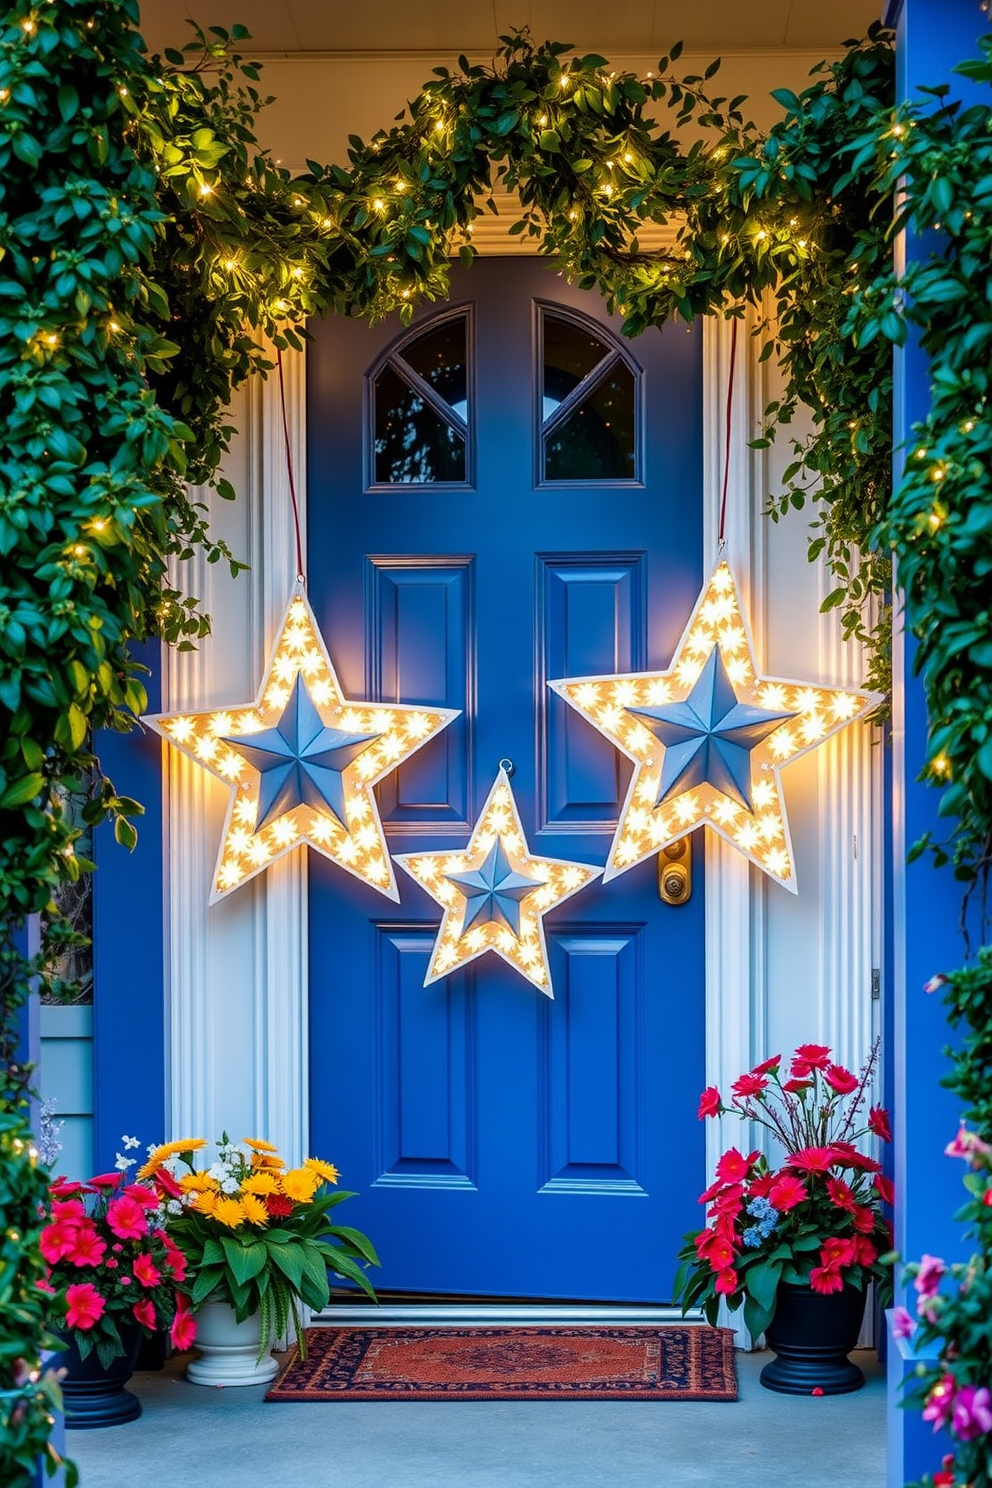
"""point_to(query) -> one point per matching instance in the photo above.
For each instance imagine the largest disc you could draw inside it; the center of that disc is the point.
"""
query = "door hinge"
(876, 984)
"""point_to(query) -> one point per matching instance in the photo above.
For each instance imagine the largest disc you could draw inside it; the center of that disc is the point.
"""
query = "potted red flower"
(796, 1240)
(114, 1274)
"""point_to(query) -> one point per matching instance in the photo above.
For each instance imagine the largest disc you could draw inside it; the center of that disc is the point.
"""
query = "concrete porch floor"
(213, 1438)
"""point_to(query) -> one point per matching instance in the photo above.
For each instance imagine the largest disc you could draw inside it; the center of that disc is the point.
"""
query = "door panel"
(420, 637)
(504, 1144)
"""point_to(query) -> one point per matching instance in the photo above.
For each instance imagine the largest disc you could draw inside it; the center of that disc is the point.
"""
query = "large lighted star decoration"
(709, 737)
(495, 893)
(301, 761)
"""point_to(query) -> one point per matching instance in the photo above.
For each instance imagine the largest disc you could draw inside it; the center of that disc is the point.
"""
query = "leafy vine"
(149, 251)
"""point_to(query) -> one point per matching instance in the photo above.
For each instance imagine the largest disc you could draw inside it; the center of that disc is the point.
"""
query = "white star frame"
(704, 724)
(309, 759)
(495, 893)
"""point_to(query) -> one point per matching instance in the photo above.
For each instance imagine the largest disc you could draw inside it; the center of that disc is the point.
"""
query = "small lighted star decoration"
(301, 761)
(495, 893)
(709, 737)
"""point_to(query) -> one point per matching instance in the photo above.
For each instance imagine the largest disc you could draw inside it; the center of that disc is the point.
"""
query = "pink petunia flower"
(929, 1276)
(126, 1218)
(972, 1412)
(903, 1326)
(84, 1306)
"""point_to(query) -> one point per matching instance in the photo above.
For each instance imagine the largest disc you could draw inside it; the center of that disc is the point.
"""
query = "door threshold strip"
(496, 1314)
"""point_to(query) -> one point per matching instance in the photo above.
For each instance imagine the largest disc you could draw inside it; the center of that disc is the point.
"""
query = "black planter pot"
(812, 1336)
(95, 1396)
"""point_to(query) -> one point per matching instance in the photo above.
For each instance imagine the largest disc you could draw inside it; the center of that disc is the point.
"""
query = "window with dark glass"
(420, 409)
(588, 405)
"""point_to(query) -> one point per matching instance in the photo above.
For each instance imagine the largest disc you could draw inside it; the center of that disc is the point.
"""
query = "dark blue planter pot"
(95, 1396)
(812, 1336)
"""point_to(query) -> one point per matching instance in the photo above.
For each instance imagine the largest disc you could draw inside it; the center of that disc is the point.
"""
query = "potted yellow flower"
(258, 1240)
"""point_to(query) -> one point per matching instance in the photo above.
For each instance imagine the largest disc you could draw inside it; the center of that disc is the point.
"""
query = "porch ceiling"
(443, 27)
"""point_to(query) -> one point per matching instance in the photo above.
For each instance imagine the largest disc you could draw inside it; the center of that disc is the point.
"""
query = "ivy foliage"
(939, 520)
(29, 1392)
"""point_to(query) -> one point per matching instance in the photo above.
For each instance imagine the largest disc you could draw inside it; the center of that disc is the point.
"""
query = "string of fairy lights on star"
(755, 823)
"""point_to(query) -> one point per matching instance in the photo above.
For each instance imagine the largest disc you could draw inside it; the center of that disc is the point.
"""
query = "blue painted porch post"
(129, 1035)
(932, 36)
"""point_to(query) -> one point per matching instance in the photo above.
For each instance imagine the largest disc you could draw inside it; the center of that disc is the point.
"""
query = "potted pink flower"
(796, 1238)
(114, 1274)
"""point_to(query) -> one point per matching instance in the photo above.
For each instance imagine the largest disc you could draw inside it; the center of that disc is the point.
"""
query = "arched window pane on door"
(589, 405)
(421, 409)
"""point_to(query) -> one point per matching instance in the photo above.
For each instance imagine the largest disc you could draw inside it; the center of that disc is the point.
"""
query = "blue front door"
(505, 494)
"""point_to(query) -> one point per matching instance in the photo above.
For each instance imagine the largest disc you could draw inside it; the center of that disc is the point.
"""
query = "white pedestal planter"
(228, 1350)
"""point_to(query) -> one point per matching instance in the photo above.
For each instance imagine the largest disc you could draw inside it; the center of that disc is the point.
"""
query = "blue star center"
(493, 892)
(301, 762)
(709, 737)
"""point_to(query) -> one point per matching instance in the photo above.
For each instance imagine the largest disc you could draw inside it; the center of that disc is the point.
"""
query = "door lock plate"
(675, 872)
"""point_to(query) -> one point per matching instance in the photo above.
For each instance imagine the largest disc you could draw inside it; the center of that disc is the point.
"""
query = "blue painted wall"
(933, 36)
(129, 1044)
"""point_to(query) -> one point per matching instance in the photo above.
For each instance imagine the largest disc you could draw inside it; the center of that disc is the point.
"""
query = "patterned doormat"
(512, 1363)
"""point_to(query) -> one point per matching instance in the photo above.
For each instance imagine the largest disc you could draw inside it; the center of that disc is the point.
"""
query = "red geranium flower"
(84, 1305)
(809, 1057)
(62, 1187)
(72, 1210)
(726, 1281)
(729, 1200)
(167, 1185)
(841, 1195)
(792, 1087)
(837, 1251)
(105, 1180)
(760, 1187)
(183, 1330)
(767, 1064)
(885, 1188)
(57, 1240)
(786, 1192)
(278, 1205)
(733, 1165)
(126, 1218)
(751, 1084)
(878, 1122)
(865, 1253)
(709, 1103)
(840, 1079)
(89, 1249)
(141, 1195)
(864, 1220)
(815, 1054)
(849, 1157)
(813, 1159)
(144, 1311)
(825, 1279)
(715, 1249)
(146, 1271)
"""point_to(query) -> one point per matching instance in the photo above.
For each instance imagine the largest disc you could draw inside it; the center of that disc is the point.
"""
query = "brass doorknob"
(675, 872)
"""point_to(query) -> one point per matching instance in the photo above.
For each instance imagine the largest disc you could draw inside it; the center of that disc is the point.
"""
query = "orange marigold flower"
(326, 1170)
(260, 1183)
(229, 1212)
(254, 1208)
(198, 1183)
(300, 1184)
(258, 1145)
(204, 1202)
(169, 1149)
(266, 1162)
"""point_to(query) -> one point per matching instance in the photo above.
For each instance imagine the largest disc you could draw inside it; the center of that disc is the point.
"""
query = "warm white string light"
(254, 837)
(653, 818)
(498, 858)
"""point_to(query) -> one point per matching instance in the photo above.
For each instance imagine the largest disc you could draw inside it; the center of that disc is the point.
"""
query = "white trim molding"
(237, 970)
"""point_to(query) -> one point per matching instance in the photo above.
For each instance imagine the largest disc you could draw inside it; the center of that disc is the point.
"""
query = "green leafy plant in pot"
(811, 1220)
(257, 1234)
